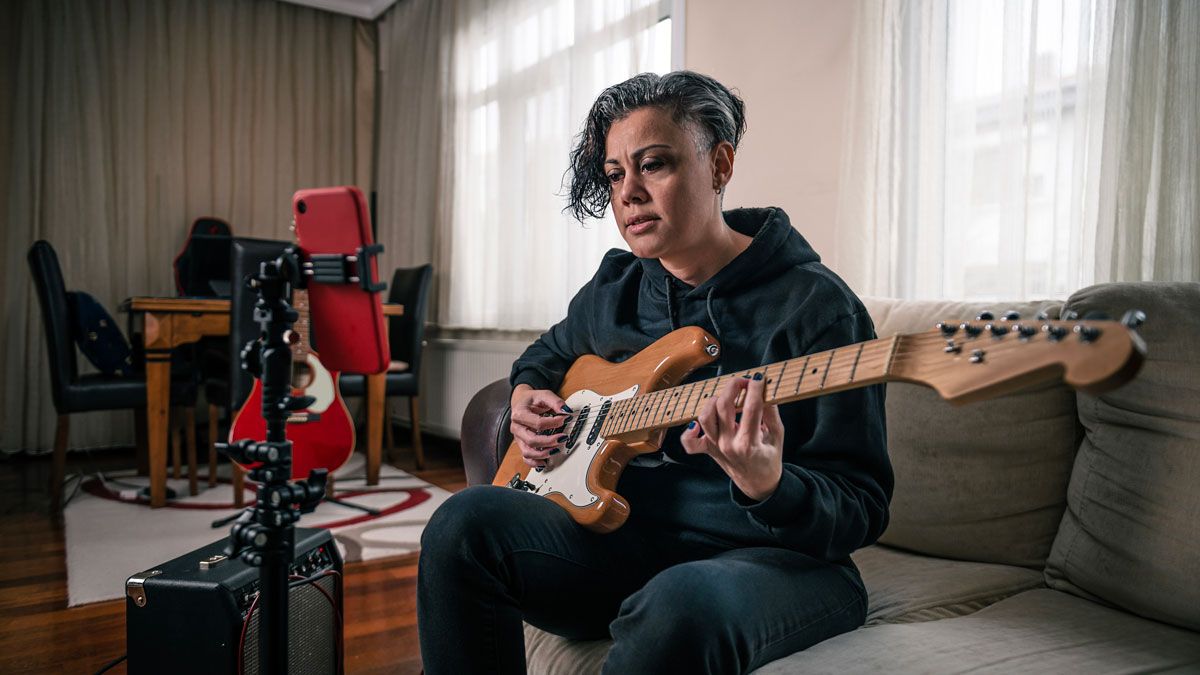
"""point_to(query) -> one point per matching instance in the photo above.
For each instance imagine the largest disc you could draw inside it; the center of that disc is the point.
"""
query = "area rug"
(111, 534)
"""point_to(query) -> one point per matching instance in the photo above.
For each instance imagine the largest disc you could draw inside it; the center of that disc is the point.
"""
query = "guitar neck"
(827, 372)
(300, 303)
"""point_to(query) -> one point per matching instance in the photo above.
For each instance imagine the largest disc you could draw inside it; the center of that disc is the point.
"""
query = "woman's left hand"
(750, 451)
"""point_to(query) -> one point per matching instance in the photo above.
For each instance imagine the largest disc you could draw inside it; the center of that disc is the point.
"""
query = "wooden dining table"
(171, 322)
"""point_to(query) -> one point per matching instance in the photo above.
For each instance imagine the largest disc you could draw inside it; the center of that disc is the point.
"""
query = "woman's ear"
(722, 165)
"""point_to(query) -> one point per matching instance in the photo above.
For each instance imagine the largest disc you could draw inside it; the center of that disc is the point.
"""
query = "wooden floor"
(38, 634)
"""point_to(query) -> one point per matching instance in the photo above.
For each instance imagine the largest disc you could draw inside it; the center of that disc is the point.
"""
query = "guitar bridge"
(517, 484)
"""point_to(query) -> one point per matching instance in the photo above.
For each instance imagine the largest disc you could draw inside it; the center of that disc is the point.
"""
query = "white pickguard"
(567, 471)
(321, 387)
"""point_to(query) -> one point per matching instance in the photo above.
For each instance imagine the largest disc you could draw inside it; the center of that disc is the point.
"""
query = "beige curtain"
(415, 39)
(1149, 215)
(132, 118)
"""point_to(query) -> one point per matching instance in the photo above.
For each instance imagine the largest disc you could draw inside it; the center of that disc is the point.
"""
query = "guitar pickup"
(595, 431)
(577, 429)
(302, 419)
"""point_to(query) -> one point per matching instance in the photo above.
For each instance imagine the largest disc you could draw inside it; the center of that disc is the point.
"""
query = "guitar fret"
(779, 380)
(659, 407)
(647, 405)
(891, 353)
(803, 372)
(827, 364)
(856, 358)
(675, 404)
(687, 404)
(630, 414)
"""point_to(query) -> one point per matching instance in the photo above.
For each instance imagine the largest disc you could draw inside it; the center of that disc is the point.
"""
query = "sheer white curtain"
(998, 150)
(522, 76)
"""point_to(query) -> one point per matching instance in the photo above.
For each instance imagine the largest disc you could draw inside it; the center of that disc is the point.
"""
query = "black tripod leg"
(360, 507)
(222, 522)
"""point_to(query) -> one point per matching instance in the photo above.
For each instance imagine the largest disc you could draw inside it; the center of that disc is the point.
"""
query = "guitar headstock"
(968, 361)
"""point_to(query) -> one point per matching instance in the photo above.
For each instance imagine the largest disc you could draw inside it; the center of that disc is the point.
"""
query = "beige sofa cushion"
(906, 587)
(1039, 631)
(549, 654)
(901, 587)
(1131, 533)
(986, 481)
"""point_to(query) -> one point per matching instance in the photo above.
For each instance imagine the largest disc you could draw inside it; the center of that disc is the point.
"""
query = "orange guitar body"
(590, 380)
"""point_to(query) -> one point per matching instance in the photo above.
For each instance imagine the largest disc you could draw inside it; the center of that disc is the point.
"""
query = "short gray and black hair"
(715, 113)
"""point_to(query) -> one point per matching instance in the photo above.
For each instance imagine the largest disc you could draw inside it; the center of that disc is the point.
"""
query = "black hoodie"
(773, 302)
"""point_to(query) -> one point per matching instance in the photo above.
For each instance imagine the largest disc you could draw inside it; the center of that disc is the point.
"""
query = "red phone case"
(347, 322)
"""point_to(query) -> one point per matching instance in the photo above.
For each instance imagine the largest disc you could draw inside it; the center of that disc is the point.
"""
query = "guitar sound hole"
(302, 375)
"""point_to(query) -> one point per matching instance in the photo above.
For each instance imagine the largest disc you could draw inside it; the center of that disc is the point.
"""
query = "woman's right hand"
(536, 413)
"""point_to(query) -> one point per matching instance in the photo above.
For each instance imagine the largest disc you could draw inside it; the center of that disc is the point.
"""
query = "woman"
(736, 551)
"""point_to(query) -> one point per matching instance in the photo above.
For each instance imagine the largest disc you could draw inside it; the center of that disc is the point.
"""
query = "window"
(525, 75)
(992, 148)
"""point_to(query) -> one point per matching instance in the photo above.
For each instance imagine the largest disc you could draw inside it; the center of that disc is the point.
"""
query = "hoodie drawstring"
(672, 310)
(671, 302)
(716, 328)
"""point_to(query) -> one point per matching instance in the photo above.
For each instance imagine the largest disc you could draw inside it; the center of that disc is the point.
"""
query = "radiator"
(452, 371)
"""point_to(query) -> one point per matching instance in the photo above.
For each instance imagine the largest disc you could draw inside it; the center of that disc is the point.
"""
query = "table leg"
(376, 394)
(158, 399)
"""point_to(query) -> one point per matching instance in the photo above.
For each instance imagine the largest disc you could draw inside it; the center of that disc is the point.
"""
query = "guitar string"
(916, 343)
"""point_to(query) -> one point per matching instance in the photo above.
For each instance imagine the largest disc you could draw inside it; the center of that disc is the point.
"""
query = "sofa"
(1044, 531)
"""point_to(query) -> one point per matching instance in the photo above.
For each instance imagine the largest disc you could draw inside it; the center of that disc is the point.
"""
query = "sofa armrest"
(485, 434)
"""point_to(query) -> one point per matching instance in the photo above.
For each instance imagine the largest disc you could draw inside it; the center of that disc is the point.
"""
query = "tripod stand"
(264, 536)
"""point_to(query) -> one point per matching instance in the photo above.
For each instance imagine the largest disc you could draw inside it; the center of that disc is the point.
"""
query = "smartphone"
(347, 321)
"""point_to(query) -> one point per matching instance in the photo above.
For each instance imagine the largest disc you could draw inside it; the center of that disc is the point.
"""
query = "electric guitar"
(622, 410)
(322, 435)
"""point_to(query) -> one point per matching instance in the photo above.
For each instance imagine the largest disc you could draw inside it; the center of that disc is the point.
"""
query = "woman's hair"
(714, 112)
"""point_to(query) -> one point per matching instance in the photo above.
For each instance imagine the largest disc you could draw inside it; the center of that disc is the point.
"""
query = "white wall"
(790, 61)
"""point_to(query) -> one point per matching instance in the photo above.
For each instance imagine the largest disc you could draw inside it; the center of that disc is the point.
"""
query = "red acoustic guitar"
(322, 435)
(623, 409)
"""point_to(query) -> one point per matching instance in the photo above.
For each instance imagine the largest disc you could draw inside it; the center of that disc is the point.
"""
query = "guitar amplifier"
(190, 615)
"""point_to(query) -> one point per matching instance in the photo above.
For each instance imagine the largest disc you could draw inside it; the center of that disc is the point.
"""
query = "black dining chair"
(406, 334)
(75, 393)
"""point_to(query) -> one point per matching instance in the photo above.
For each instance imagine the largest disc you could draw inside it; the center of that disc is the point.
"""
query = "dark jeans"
(491, 557)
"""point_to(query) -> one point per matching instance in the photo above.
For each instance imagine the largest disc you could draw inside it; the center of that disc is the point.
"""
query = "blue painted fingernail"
(555, 451)
(758, 376)
(563, 438)
(692, 424)
(566, 408)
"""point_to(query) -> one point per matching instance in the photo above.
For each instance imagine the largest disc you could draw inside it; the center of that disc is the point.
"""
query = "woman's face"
(662, 185)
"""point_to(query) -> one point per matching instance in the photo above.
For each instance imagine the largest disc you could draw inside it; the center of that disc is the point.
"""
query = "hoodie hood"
(776, 245)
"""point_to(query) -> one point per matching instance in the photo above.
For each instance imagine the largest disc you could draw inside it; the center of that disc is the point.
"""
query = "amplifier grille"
(311, 622)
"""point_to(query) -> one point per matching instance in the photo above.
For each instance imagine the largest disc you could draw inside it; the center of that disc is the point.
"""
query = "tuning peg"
(1055, 333)
(1025, 332)
(947, 329)
(1096, 315)
(985, 315)
(1087, 333)
(1134, 319)
(1012, 315)
(1068, 315)
(998, 329)
(970, 329)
